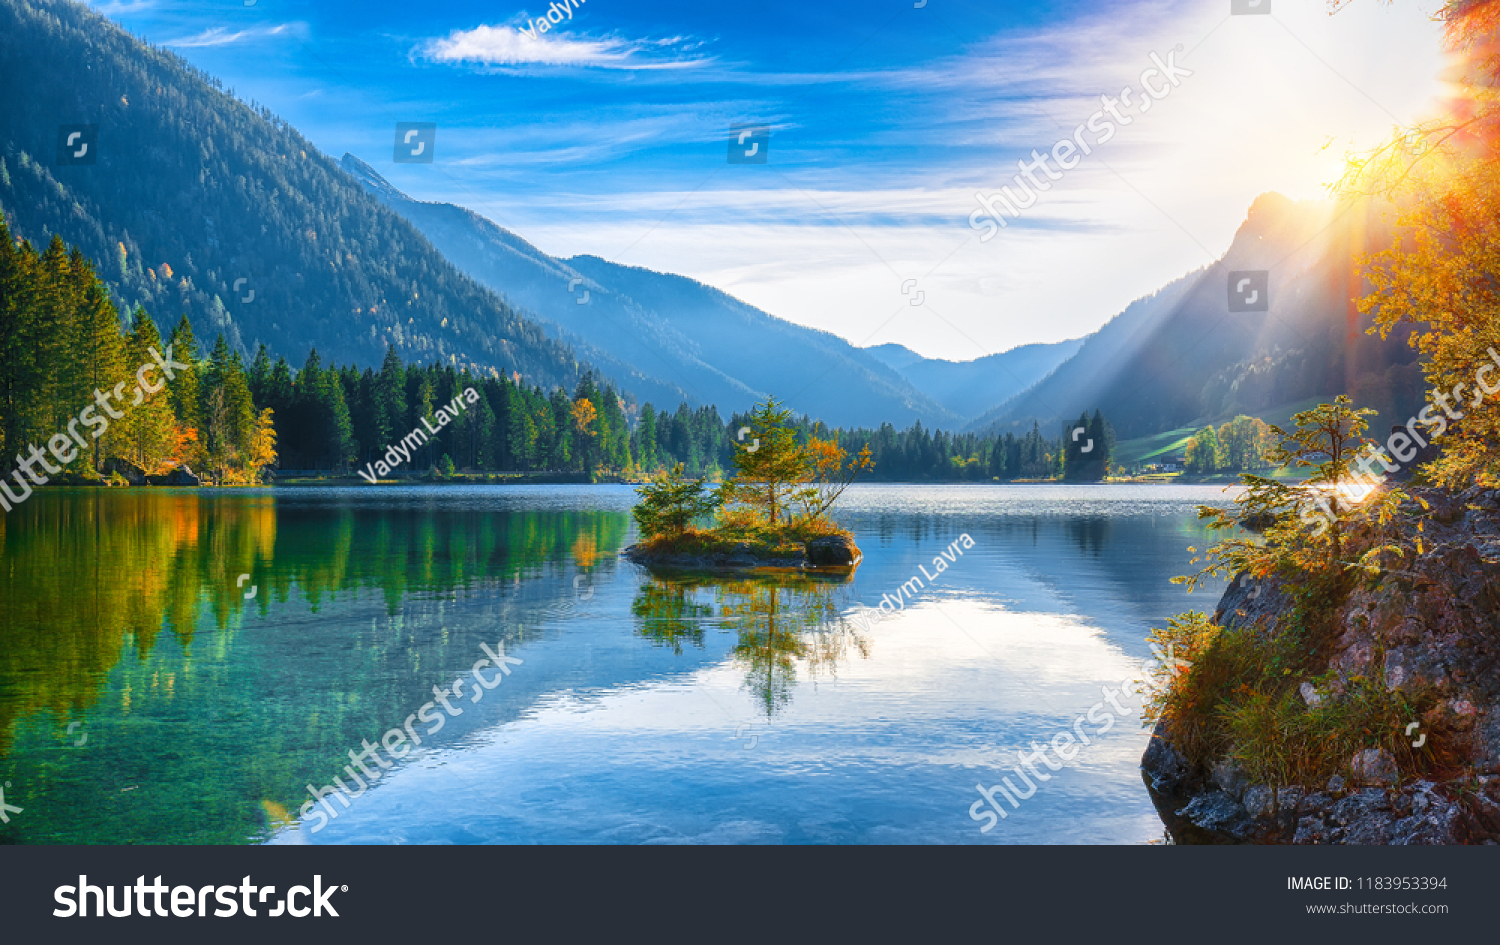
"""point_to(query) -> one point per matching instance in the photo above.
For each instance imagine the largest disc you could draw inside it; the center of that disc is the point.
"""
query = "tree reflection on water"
(784, 619)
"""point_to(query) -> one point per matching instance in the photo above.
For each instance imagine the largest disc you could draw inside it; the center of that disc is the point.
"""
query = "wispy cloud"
(508, 46)
(219, 36)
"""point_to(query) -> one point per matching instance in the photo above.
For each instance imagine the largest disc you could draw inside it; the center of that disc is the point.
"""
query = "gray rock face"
(832, 551)
(1198, 810)
(738, 559)
(1430, 626)
(1418, 814)
(129, 471)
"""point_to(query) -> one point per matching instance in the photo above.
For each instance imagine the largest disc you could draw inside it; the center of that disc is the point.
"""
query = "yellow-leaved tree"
(1440, 276)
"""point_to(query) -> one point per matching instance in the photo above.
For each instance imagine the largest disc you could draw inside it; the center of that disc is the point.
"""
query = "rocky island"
(772, 514)
(832, 554)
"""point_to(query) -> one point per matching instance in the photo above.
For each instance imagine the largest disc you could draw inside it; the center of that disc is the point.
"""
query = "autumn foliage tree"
(1305, 523)
(1440, 274)
(775, 476)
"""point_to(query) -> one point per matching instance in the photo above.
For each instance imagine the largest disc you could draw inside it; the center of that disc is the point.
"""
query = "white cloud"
(508, 46)
(219, 36)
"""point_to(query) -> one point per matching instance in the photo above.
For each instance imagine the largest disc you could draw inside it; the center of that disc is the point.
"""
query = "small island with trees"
(772, 513)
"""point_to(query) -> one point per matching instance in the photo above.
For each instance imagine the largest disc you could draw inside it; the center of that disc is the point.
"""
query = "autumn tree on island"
(778, 498)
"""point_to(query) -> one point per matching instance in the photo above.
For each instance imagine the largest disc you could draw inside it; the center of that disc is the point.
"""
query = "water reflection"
(124, 610)
(782, 620)
(208, 713)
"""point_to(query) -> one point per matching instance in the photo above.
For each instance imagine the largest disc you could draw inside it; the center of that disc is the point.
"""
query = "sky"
(608, 134)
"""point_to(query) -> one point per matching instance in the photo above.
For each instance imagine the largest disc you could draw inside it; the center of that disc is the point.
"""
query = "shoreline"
(581, 479)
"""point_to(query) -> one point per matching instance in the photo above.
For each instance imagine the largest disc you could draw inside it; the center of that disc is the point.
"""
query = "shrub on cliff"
(1238, 691)
(1309, 520)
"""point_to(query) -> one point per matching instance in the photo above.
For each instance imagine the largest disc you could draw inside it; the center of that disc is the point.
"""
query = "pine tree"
(228, 414)
(645, 449)
(148, 431)
(770, 465)
(186, 391)
(97, 363)
(22, 349)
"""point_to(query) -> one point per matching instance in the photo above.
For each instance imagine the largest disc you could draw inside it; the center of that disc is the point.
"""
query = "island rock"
(832, 551)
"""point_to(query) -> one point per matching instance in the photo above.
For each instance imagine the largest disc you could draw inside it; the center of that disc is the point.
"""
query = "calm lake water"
(178, 666)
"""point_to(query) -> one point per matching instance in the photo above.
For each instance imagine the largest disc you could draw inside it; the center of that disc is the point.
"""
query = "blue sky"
(607, 135)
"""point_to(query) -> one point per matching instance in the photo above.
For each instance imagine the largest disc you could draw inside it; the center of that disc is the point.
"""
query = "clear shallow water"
(645, 710)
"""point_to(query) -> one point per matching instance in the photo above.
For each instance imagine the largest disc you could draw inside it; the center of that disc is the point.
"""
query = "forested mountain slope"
(198, 203)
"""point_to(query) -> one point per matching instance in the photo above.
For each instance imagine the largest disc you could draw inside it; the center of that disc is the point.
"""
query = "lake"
(180, 666)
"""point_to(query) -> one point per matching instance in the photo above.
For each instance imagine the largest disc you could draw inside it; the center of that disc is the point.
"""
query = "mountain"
(190, 201)
(970, 388)
(719, 349)
(1179, 357)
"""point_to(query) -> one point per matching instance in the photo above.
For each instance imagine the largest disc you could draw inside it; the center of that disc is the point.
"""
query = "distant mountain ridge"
(970, 388)
(719, 349)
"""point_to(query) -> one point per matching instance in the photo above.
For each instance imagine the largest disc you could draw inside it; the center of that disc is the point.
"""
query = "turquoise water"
(642, 709)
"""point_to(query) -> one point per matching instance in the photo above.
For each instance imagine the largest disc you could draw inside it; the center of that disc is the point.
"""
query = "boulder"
(832, 551)
(128, 471)
(183, 476)
(1258, 523)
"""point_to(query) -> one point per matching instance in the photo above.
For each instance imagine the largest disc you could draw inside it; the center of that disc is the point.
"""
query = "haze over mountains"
(970, 388)
(718, 348)
(1179, 357)
(198, 203)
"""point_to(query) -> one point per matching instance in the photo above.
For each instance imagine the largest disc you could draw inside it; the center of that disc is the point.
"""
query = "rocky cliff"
(1427, 627)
